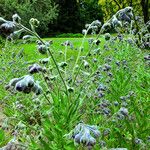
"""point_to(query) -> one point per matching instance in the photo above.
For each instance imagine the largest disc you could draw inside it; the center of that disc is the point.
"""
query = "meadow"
(74, 93)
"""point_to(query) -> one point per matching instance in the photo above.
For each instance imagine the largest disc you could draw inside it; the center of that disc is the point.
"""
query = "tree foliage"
(44, 10)
(74, 14)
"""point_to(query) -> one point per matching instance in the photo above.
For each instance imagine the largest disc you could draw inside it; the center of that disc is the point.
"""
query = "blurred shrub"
(71, 35)
(44, 10)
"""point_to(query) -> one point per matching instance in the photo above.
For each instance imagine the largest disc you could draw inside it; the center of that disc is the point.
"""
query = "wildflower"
(67, 43)
(120, 37)
(96, 23)
(94, 60)
(128, 11)
(107, 36)
(87, 25)
(105, 27)
(137, 141)
(42, 48)
(147, 57)
(7, 27)
(119, 116)
(116, 22)
(106, 67)
(106, 132)
(101, 87)
(97, 42)
(123, 98)
(84, 134)
(90, 41)
(70, 89)
(106, 111)
(110, 74)
(94, 28)
(84, 31)
(124, 111)
(35, 68)
(124, 17)
(63, 64)
(37, 89)
(116, 103)
(86, 64)
(102, 143)
(44, 60)
(26, 84)
(14, 81)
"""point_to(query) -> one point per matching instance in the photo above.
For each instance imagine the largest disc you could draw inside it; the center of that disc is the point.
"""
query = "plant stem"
(35, 34)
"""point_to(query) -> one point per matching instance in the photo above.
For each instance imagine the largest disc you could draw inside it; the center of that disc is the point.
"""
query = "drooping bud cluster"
(44, 60)
(125, 14)
(117, 20)
(7, 27)
(67, 43)
(122, 113)
(42, 48)
(35, 68)
(15, 34)
(28, 38)
(25, 84)
(84, 134)
(86, 64)
(107, 36)
(63, 64)
(93, 26)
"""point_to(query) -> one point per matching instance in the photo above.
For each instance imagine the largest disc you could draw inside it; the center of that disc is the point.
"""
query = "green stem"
(35, 34)
(65, 58)
(85, 58)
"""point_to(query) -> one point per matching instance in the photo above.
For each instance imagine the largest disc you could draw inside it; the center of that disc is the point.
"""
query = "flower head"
(84, 134)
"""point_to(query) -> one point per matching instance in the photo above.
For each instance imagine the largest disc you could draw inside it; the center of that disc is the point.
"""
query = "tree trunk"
(145, 7)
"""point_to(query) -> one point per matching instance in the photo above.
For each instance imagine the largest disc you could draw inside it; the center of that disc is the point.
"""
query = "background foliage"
(68, 16)
(141, 7)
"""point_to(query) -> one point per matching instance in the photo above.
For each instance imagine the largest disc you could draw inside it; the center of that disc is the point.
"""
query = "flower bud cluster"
(93, 26)
(42, 48)
(117, 20)
(103, 108)
(28, 38)
(84, 134)
(107, 36)
(44, 60)
(25, 84)
(86, 64)
(8, 27)
(35, 68)
(63, 64)
(67, 43)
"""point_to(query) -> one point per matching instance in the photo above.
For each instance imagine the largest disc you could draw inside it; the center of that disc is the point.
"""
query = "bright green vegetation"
(51, 120)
